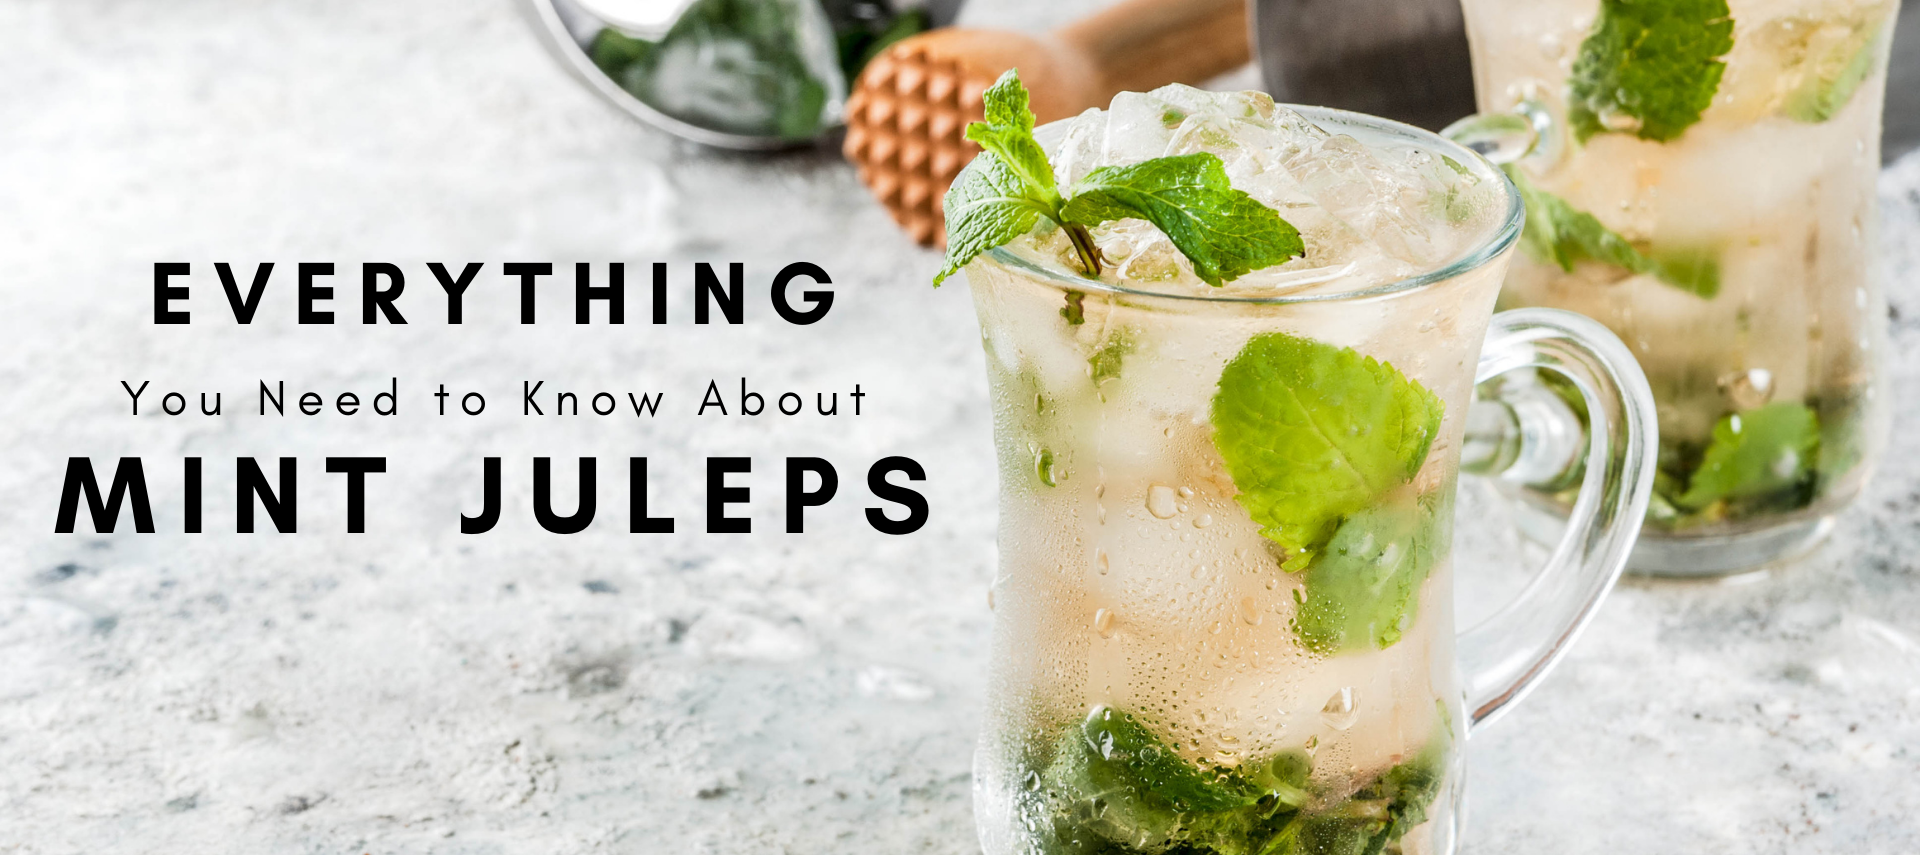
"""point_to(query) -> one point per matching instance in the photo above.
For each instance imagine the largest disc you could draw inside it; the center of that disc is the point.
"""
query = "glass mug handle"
(1524, 432)
(1527, 132)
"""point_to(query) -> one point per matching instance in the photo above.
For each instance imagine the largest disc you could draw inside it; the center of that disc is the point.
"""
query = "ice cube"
(1138, 128)
(1385, 206)
(1079, 151)
(1253, 151)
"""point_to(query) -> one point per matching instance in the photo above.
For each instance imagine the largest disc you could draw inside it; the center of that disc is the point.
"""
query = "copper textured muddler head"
(908, 112)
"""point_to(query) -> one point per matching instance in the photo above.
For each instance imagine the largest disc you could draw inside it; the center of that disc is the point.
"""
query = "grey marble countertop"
(413, 690)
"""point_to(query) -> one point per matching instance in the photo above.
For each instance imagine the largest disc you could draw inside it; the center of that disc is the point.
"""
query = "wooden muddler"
(910, 107)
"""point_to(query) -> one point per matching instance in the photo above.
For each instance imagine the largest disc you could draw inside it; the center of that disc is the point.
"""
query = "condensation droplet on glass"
(1250, 611)
(1100, 561)
(1199, 571)
(1186, 492)
(1033, 781)
(1313, 744)
(1160, 501)
(1341, 711)
(1103, 623)
(989, 599)
(1203, 520)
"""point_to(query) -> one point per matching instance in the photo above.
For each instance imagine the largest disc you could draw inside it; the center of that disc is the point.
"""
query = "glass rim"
(1495, 244)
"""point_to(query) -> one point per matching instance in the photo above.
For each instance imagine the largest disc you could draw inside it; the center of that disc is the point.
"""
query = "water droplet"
(1748, 389)
(1100, 561)
(1186, 492)
(1340, 712)
(989, 599)
(1313, 744)
(1203, 520)
(1160, 501)
(1250, 611)
(1033, 781)
(1199, 571)
(1103, 623)
(1216, 627)
(1043, 466)
(1300, 596)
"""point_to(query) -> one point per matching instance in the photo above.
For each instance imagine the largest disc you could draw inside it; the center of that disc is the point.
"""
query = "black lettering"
(543, 497)
(906, 497)
(527, 271)
(191, 506)
(243, 309)
(282, 505)
(311, 293)
(135, 393)
(637, 519)
(164, 294)
(455, 288)
(759, 403)
(719, 495)
(707, 287)
(659, 292)
(712, 399)
(649, 403)
(799, 498)
(356, 469)
(392, 397)
(376, 301)
(129, 483)
(821, 301)
(614, 292)
(489, 502)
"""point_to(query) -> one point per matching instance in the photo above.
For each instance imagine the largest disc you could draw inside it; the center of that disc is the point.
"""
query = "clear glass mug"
(1745, 282)
(1159, 681)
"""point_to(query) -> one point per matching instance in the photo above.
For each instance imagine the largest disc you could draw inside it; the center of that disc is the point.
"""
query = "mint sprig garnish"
(1005, 191)
(1650, 67)
(1560, 234)
(1313, 433)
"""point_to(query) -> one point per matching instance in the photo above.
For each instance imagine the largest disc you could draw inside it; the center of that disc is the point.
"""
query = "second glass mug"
(1160, 681)
(1734, 255)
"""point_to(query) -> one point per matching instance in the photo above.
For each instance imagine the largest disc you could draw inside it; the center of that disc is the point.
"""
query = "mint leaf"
(1690, 269)
(1364, 588)
(1313, 433)
(1836, 77)
(1008, 134)
(1755, 453)
(1224, 232)
(1651, 63)
(1108, 355)
(1557, 233)
(988, 205)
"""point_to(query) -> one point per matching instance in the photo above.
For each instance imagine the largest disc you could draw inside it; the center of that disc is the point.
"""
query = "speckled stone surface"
(414, 690)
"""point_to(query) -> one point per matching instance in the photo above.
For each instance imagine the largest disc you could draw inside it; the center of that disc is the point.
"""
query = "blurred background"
(413, 690)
